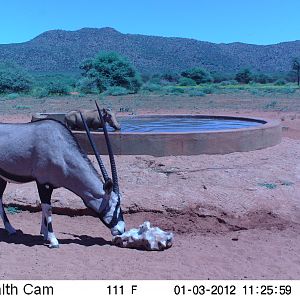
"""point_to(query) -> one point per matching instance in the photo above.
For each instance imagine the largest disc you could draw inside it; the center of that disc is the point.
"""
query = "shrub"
(229, 82)
(219, 77)
(280, 82)
(208, 90)
(262, 78)
(151, 87)
(12, 96)
(155, 78)
(57, 88)
(40, 92)
(173, 90)
(184, 81)
(194, 92)
(198, 74)
(85, 85)
(111, 69)
(270, 105)
(170, 77)
(243, 76)
(287, 90)
(14, 80)
(116, 91)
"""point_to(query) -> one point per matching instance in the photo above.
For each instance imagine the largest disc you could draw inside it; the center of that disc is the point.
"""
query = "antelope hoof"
(54, 246)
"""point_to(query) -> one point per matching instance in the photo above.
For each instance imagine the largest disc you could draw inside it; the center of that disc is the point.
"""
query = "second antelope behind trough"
(47, 152)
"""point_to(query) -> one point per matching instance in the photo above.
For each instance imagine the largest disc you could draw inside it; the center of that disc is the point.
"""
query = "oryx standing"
(46, 152)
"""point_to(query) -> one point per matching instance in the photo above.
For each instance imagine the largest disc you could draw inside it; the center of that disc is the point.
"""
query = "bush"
(86, 86)
(170, 77)
(116, 91)
(262, 78)
(57, 88)
(208, 90)
(151, 87)
(184, 81)
(110, 69)
(155, 78)
(243, 76)
(12, 96)
(199, 75)
(194, 92)
(219, 77)
(280, 82)
(40, 92)
(14, 80)
(173, 90)
(229, 82)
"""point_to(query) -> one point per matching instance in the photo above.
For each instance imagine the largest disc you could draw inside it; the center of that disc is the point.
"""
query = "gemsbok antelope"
(46, 152)
(73, 119)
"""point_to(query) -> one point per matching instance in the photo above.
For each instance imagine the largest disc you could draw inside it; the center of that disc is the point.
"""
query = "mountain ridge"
(62, 51)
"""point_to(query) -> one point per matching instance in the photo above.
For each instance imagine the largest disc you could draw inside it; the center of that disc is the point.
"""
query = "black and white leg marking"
(3, 215)
(45, 192)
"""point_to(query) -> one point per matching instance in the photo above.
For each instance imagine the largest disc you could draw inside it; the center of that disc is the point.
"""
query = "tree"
(14, 80)
(170, 77)
(110, 69)
(199, 75)
(262, 78)
(296, 67)
(244, 76)
(184, 81)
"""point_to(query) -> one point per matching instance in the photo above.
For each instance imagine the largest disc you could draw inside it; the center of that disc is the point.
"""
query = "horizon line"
(175, 37)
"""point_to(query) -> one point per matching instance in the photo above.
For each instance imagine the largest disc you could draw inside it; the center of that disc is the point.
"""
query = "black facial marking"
(50, 229)
(115, 219)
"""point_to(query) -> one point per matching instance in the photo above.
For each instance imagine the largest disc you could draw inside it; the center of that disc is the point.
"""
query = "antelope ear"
(108, 186)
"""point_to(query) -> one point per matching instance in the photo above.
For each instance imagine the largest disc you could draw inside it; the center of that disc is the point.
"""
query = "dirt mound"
(192, 221)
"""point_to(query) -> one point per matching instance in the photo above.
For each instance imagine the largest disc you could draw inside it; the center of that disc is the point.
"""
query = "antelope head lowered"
(47, 152)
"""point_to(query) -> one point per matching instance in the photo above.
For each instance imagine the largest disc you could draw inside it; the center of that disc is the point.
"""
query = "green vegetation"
(184, 81)
(270, 186)
(111, 70)
(12, 210)
(14, 80)
(199, 75)
(243, 76)
(109, 74)
(296, 68)
(116, 91)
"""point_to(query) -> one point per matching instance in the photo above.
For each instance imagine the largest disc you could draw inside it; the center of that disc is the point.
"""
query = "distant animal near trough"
(73, 119)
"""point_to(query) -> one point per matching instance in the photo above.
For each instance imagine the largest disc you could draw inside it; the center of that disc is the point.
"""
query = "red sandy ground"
(228, 224)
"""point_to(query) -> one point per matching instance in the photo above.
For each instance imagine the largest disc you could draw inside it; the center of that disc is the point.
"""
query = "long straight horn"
(99, 160)
(110, 153)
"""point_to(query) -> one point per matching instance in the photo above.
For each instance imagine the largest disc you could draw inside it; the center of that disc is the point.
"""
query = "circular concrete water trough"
(186, 137)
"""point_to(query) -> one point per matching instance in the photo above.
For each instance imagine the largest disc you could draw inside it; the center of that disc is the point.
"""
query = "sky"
(254, 21)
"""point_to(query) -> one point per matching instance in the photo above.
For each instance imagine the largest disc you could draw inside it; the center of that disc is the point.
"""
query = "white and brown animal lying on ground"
(74, 121)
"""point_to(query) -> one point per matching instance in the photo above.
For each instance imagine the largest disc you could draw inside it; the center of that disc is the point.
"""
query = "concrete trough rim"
(266, 134)
(265, 124)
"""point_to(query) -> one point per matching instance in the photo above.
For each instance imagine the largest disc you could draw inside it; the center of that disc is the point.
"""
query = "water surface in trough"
(183, 124)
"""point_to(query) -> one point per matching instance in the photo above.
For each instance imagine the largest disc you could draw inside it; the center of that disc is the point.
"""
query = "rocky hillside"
(63, 51)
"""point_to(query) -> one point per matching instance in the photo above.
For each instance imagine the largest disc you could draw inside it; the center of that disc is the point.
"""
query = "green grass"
(22, 107)
(12, 210)
(270, 186)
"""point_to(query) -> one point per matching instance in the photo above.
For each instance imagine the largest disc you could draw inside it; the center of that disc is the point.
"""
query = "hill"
(63, 51)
